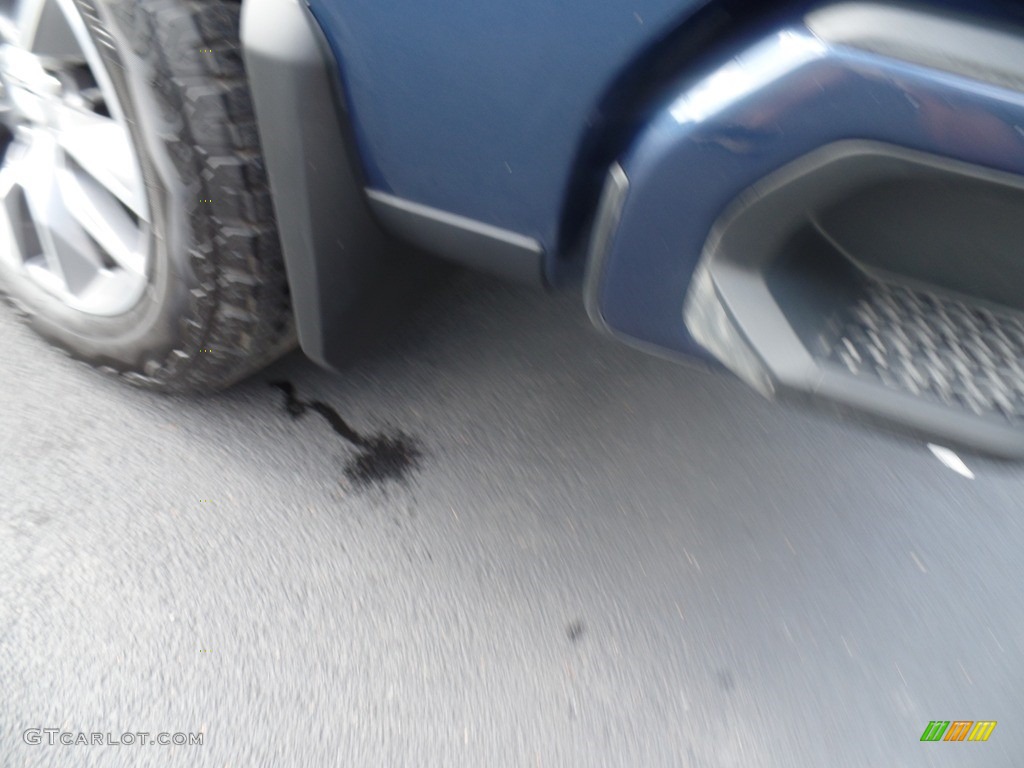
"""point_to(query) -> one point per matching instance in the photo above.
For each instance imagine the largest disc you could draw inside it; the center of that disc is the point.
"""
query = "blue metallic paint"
(478, 108)
(485, 110)
(782, 99)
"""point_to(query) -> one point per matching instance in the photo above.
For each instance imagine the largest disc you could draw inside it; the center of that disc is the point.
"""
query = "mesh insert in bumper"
(934, 347)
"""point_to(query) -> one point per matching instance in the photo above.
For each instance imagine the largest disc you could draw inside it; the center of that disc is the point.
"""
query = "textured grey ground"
(605, 560)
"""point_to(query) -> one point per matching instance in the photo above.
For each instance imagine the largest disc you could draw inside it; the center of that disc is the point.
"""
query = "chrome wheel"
(73, 211)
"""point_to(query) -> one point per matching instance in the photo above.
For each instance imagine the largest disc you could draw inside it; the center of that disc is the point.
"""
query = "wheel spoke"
(24, 180)
(41, 26)
(69, 254)
(11, 215)
(102, 147)
(21, 22)
(105, 220)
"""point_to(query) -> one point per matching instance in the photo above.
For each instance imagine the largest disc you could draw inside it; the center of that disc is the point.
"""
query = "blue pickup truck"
(825, 198)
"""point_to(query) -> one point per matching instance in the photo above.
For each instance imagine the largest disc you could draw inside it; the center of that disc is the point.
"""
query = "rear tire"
(215, 306)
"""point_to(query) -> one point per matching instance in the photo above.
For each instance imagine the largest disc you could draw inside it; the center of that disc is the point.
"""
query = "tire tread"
(242, 310)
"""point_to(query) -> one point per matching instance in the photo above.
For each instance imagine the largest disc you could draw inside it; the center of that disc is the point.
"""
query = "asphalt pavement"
(503, 539)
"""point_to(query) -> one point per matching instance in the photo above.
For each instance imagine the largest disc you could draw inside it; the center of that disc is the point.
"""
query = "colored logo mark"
(959, 730)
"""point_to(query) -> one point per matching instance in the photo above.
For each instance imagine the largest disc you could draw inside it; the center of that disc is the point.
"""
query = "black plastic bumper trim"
(732, 311)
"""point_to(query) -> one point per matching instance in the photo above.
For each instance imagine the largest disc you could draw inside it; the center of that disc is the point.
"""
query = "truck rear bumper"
(836, 164)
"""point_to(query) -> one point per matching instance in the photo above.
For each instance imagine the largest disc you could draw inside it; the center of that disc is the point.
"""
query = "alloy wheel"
(74, 217)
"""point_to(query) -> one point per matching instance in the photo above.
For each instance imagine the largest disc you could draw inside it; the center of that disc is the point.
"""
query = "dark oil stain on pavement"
(381, 457)
(726, 679)
(575, 630)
